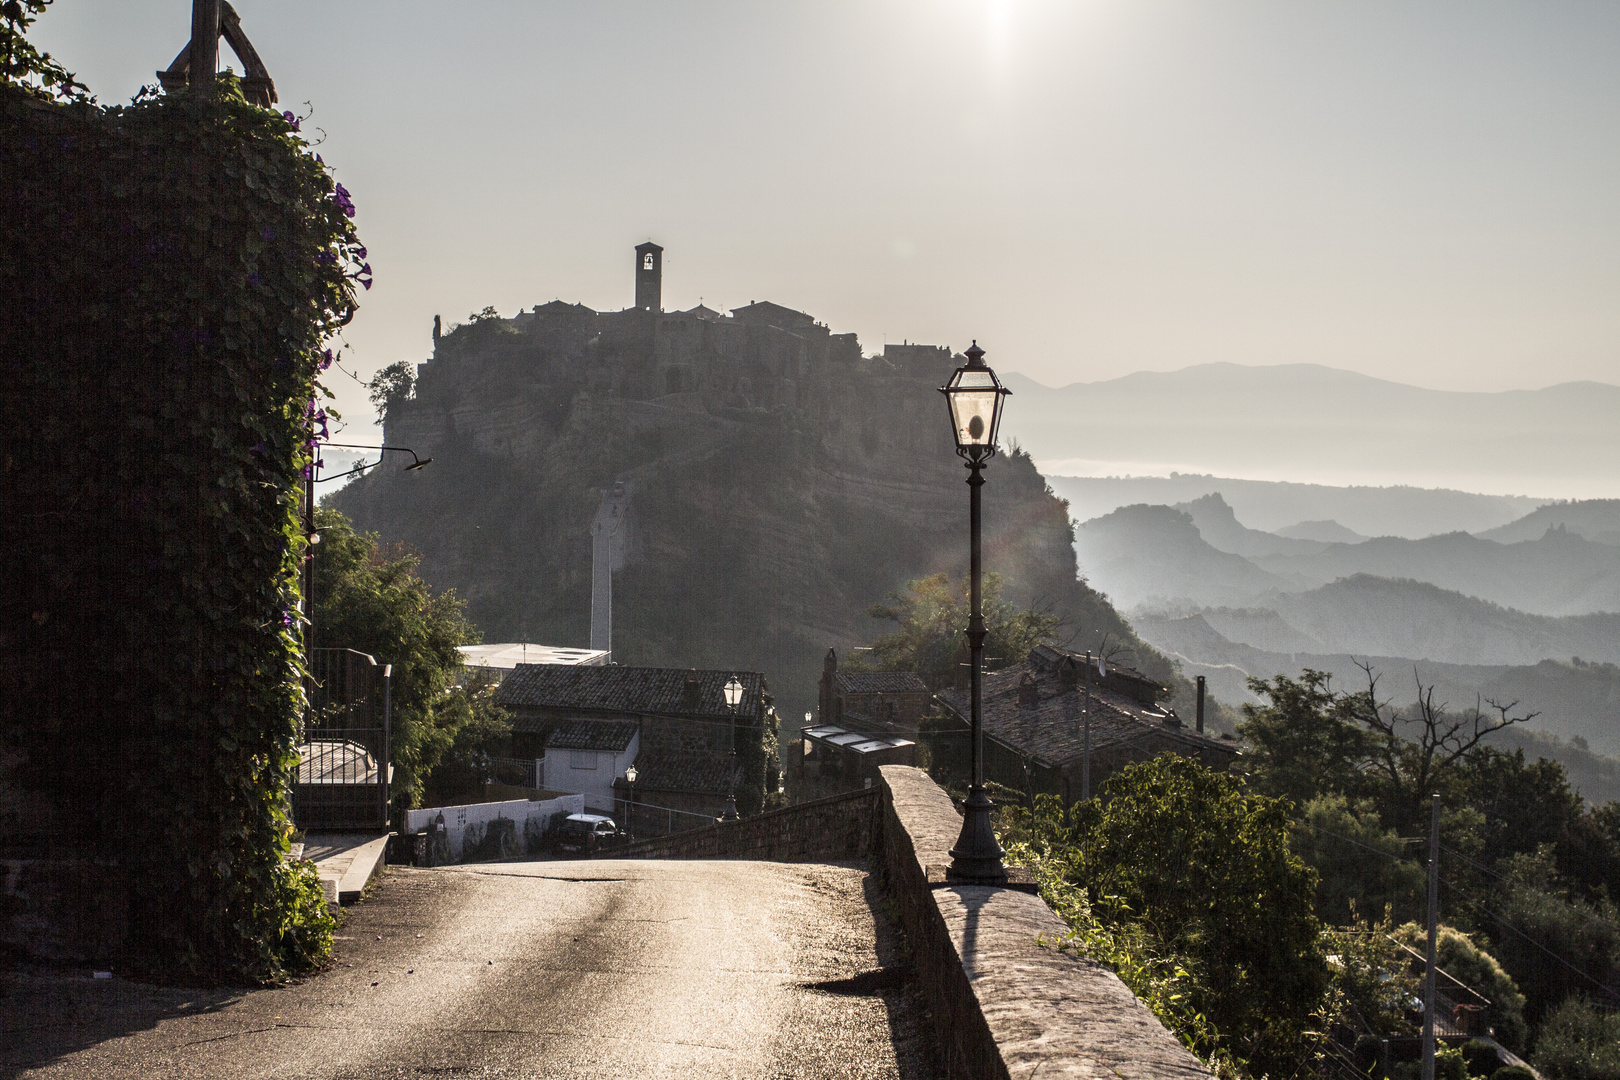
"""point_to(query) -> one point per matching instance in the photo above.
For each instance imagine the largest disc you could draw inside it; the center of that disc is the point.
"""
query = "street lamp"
(630, 815)
(734, 694)
(974, 397)
(315, 537)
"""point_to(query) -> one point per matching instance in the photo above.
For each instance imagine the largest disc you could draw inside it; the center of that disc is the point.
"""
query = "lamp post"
(314, 535)
(734, 694)
(630, 814)
(974, 396)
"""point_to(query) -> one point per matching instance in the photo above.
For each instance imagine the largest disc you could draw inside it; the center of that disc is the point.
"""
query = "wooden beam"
(256, 82)
(204, 48)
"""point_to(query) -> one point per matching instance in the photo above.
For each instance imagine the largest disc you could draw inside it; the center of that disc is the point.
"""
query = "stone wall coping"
(1047, 1011)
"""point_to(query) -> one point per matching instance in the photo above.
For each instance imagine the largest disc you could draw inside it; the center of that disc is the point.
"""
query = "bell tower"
(650, 277)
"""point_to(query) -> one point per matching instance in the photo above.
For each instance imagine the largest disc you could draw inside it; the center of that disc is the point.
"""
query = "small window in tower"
(646, 261)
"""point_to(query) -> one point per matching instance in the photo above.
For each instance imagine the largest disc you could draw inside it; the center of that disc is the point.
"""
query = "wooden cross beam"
(210, 20)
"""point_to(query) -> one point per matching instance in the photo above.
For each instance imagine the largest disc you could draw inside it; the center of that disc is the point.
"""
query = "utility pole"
(1085, 773)
(1434, 912)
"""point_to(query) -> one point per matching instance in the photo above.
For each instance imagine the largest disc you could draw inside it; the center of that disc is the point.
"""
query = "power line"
(1502, 921)
(1531, 888)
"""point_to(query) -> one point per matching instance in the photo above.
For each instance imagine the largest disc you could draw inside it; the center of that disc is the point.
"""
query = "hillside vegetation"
(786, 486)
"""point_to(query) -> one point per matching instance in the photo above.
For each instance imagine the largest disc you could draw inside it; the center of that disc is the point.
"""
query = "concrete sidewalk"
(346, 862)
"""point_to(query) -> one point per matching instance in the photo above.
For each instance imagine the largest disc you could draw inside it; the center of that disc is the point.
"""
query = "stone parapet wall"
(834, 829)
(1007, 1002)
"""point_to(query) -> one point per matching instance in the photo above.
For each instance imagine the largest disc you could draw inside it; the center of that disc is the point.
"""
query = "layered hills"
(1285, 508)
(1163, 554)
(1527, 618)
(779, 483)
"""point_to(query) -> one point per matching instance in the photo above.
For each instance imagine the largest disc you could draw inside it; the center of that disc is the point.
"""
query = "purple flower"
(341, 195)
(359, 251)
(269, 234)
(254, 280)
(286, 614)
(293, 120)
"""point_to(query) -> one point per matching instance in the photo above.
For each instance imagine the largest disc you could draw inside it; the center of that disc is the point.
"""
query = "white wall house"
(586, 756)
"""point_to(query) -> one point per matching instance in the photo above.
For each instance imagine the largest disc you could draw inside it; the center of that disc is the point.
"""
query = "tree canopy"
(930, 615)
(370, 598)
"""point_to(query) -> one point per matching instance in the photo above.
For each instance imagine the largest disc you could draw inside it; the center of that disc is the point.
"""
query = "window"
(647, 261)
(582, 759)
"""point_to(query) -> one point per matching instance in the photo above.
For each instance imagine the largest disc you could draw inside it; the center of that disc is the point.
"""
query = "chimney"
(1029, 694)
(1068, 672)
(1200, 704)
(692, 694)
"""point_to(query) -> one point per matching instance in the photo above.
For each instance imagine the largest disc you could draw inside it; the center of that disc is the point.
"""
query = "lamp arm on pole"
(416, 462)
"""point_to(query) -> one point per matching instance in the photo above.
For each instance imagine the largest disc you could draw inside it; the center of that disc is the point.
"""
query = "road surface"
(542, 969)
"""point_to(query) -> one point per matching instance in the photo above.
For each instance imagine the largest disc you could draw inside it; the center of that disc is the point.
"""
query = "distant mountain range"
(1595, 519)
(1373, 616)
(1199, 553)
(1532, 616)
(1298, 420)
(1576, 702)
(1308, 511)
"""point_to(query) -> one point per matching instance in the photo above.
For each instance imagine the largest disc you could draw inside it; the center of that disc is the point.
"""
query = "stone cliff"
(779, 484)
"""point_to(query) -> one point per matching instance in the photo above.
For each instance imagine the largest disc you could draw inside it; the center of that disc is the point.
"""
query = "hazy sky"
(1426, 192)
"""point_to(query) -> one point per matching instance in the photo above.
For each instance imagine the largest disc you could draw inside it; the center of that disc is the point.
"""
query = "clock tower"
(650, 277)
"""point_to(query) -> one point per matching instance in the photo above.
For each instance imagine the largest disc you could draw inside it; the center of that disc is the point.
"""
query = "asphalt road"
(600, 969)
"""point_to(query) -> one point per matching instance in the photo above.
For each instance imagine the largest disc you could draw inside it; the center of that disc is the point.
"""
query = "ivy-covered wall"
(170, 272)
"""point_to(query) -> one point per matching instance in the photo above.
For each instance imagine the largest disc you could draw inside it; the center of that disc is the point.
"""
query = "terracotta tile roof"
(880, 682)
(624, 690)
(1052, 728)
(612, 735)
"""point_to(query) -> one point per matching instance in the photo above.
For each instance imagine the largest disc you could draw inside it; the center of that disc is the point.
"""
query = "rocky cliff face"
(779, 484)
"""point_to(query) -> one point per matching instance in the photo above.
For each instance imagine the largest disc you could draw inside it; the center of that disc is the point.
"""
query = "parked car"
(585, 834)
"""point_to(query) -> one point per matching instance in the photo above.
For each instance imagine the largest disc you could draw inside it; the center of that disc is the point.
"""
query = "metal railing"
(342, 780)
(641, 819)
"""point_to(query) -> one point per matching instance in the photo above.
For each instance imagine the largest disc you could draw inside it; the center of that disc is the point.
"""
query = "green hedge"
(169, 275)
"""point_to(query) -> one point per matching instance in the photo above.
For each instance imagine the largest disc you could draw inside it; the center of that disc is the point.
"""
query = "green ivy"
(170, 274)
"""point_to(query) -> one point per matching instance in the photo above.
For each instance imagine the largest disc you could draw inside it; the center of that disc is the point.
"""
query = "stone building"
(1035, 717)
(875, 701)
(673, 724)
(865, 719)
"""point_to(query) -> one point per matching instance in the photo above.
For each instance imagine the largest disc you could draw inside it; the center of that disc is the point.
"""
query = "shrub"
(1578, 1041)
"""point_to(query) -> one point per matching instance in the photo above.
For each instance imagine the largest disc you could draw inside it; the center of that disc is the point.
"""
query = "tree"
(1579, 1042)
(931, 614)
(1308, 741)
(393, 383)
(480, 731)
(1206, 866)
(1458, 955)
(1555, 947)
(1362, 864)
(372, 599)
(1411, 769)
